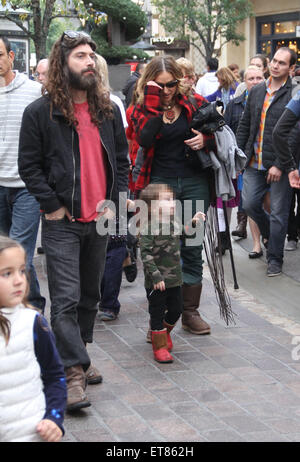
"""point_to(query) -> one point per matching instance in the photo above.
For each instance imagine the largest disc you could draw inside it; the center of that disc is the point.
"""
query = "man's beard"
(80, 81)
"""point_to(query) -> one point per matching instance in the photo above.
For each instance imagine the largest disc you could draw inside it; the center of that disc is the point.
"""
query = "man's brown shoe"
(76, 384)
(93, 375)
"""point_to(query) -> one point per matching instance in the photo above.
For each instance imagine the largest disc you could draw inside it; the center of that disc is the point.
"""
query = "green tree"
(40, 14)
(211, 23)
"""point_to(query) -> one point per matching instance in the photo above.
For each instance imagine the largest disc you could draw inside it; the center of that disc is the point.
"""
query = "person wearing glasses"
(189, 74)
(161, 120)
(73, 155)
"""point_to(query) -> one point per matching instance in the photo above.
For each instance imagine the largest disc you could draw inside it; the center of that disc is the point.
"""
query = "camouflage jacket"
(160, 255)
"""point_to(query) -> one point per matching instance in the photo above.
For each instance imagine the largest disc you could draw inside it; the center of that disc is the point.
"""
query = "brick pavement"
(238, 384)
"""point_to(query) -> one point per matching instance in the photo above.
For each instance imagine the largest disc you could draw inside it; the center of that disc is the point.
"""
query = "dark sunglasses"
(171, 84)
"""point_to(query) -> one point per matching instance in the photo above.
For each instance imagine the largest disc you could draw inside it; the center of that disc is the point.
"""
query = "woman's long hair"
(154, 68)
(227, 77)
(7, 243)
(58, 88)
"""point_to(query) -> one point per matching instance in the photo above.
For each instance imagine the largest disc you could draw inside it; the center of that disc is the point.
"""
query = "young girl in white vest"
(32, 381)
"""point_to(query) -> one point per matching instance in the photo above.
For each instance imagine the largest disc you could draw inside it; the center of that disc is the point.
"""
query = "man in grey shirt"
(19, 210)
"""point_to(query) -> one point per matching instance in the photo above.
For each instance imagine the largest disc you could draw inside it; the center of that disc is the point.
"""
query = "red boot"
(169, 328)
(160, 346)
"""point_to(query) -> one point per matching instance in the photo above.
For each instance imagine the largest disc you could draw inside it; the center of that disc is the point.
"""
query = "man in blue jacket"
(73, 154)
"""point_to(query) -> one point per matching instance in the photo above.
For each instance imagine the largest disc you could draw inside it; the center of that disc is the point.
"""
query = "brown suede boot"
(241, 229)
(160, 346)
(191, 319)
(76, 384)
(149, 334)
(169, 328)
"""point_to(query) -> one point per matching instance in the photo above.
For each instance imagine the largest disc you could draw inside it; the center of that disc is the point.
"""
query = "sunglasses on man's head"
(171, 84)
(73, 34)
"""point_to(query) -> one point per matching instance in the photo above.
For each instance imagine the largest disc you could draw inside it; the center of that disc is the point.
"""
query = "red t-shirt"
(92, 163)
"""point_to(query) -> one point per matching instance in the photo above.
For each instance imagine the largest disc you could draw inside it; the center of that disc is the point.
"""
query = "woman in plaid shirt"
(161, 121)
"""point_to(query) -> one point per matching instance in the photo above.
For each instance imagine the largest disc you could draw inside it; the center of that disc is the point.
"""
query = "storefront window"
(19, 47)
(266, 48)
(278, 31)
(286, 27)
(266, 29)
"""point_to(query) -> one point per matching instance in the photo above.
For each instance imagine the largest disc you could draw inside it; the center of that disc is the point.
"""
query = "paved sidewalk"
(240, 383)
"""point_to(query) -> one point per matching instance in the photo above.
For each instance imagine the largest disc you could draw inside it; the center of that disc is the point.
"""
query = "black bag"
(207, 119)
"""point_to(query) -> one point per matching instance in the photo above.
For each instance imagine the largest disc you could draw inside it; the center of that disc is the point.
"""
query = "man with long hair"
(73, 154)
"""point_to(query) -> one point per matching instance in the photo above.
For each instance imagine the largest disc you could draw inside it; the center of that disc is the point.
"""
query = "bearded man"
(73, 154)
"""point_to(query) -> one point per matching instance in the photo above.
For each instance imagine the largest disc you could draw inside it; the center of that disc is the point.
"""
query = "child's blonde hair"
(8, 243)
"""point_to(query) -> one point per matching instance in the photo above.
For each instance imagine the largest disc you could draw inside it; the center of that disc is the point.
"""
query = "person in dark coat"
(73, 156)
(264, 170)
(130, 84)
(289, 155)
(234, 111)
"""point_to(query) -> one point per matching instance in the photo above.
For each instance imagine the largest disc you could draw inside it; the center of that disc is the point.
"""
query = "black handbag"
(207, 119)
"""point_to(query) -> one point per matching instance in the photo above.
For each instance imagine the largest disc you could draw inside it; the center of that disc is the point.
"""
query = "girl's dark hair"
(7, 243)
(58, 88)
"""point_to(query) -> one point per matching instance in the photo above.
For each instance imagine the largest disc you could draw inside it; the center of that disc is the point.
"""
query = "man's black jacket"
(249, 125)
(129, 87)
(49, 157)
(286, 140)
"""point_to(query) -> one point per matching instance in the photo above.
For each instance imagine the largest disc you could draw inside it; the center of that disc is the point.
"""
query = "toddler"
(160, 253)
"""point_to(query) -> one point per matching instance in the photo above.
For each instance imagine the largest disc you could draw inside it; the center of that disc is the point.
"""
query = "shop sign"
(166, 40)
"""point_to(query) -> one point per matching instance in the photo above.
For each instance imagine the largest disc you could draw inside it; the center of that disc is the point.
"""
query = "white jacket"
(22, 401)
(207, 84)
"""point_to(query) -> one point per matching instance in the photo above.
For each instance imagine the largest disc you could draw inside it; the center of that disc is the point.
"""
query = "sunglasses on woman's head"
(171, 84)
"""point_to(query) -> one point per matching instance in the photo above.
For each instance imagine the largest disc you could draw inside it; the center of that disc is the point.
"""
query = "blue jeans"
(75, 255)
(193, 189)
(274, 226)
(112, 279)
(20, 219)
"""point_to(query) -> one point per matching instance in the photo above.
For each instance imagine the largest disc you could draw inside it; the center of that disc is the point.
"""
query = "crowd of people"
(70, 148)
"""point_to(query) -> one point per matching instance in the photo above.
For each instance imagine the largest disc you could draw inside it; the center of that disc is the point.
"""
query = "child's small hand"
(49, 431)
(160, 286)
(198, 216)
